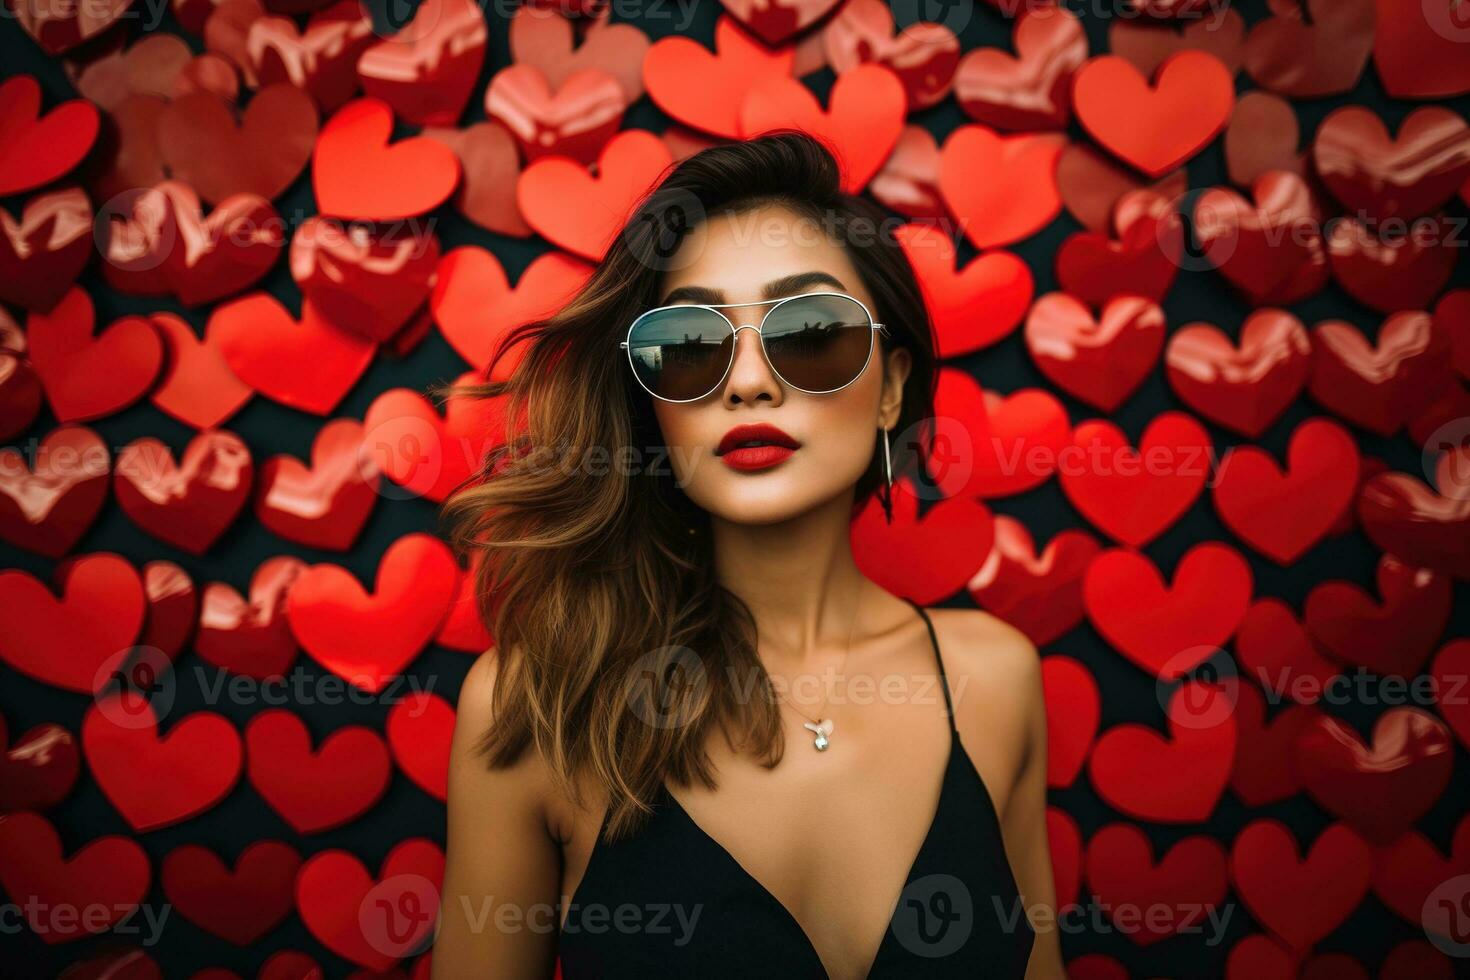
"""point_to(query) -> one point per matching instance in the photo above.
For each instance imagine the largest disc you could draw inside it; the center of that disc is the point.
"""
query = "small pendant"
(822, 731)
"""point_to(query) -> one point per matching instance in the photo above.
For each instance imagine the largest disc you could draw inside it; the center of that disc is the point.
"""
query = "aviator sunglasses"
(814, 342)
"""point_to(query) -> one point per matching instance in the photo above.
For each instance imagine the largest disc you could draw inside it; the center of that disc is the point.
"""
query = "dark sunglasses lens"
(818, 343)
(680, 353)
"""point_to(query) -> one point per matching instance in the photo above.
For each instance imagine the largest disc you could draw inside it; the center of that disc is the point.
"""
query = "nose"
(750, 377)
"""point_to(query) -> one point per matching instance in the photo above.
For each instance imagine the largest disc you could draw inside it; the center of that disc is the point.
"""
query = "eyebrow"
(794, 283)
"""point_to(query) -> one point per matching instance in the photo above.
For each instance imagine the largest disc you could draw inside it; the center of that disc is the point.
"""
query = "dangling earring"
(886, 499)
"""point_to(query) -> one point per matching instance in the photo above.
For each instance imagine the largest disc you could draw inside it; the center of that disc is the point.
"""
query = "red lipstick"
(755, 447)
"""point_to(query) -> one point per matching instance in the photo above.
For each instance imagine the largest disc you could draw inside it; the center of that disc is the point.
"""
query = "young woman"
(706, 745)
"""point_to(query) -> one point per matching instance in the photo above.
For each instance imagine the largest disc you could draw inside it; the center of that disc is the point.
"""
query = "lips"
(762, 434)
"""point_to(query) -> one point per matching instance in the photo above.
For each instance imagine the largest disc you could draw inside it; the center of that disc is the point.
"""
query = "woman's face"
(767, 253)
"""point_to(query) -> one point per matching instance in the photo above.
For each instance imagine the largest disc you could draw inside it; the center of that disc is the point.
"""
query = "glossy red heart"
(1408, 870)
(42, 254)
(1451, 673)
(47, 506)
(1091, 184)
(368, 638)
(1379, 386)
(1263, 772)
(491, 165)
(40, 147)
(1382, 177)
(1246, 387)
(1311, 52)
(1000, 189)
(262, 152)
(923, 54)
(1380, 789)
(86, 376)
(333, 887)
(188, 504)
(1134, 495)
(250, 637)
(319, 57)
(1283, 514)
(475, 307)
(1099, 359)
(241, 904)
(1039, 594)
(1157, 127)
(1393, 636)
(974, 307)
(1422, 57)
(909, 180)
(1263, 135)
(38, 769)
(307, 364)
(861, 124)
(108, 875)
(1421, 525)
(69, 643)
(197, 388)
(778, 21)
(1452, 316)
(20, 395)
(326, 504)
(159, 780)
(724, 76)
(1276, 651)
(1027, 433)
(315, 789)
(356, 173)
(953, 536)
(1271, 251)
(580, 212)
(419, 729)
(575, 120)
(547, 40)
(1073, 710)
(1126, 879)
(1300, 897)
(1402, 269)
(428, 70)
(464, 628)
(368, 282)
(1140, 260)
(1033, 88)
(1168, 629)
(1174, 779)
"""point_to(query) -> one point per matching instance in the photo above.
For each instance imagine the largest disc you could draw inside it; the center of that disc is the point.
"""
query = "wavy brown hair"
(618, 649)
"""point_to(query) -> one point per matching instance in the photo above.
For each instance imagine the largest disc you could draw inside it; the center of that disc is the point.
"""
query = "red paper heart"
(1000, 188)
(909, 180)
(861, 124)
(1301, 899)
(333, 888)
(1154, 127)
(157, 781)
(40, 148)
(427, 71)
(1422, 57)
(1041, 595)
(1142, 260)
(1308, 54)
(1028, 431)
(1403, 269)
(263, 152)
(368, 282)
(953, 536)
(307, 364)
(724, 77)
(545, 40)
(1149, 44)
(1033, 89)
(464, 628)
(1393, 637)
(47, 509)
(1246, 388)
(1177, 779)
(20, 395)
(1420, 525)
(72, 642)
(1408, 870)
(575, 120)
(356, 173)
(1282, 515)
(239, 905)
(491, 166)
(315, 790)
(1168, 630)
(972, 308)
(1122, 873)
(1379, 387)
(1382, 789)
(191, 503)
(325, 505)
(1451, 673)
(1091, 184)
(581, 213)
(1263, 772)
(108, 876)
(1073, 709)
(368, 638)
(250, 637)
(427, 455)
(42, 254)
(1383, 178)
(1271, 251)
(1100, 360)
(923, 54)
(85, 376)
(38, 769)
(319, 58)
(1263, 136)
(197, 388)
(1278, 653)
(777, 21)
(419, 729)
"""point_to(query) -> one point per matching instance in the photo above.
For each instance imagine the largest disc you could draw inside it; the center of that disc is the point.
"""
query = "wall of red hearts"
(1198, 277)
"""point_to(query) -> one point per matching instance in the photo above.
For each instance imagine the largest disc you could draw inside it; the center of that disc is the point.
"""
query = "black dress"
(669, 901)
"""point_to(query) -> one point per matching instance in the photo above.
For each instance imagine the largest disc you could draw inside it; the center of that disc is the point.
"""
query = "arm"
(499, 912)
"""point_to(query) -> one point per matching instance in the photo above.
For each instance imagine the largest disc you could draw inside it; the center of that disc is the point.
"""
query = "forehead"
(737, 255)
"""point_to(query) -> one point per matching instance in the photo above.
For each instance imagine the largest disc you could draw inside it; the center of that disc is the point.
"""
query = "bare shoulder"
(522, 785)
(992, 656)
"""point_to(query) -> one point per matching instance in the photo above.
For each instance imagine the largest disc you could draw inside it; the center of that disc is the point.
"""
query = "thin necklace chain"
(817, 724)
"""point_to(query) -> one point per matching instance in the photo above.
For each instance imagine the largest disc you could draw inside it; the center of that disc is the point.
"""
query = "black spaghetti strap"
(943, 679)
